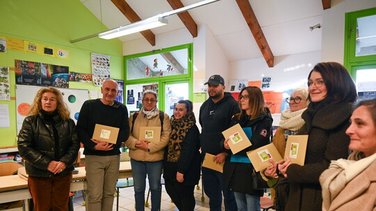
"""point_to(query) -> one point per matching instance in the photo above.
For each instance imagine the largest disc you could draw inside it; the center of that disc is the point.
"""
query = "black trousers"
(181, 195)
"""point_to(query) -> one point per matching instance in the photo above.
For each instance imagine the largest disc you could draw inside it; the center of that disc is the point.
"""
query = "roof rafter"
(254, 26)
(185, 17)
(132, 16)
(326, 4)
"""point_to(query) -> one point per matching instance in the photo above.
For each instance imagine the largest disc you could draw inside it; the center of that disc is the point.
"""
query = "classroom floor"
(126, 201)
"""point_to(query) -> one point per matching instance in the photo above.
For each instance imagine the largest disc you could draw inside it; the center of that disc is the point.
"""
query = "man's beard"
(216, 96)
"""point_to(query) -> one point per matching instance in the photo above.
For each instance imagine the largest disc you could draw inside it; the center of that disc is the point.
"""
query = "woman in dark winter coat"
(332, 93)
(49, 145)
(256, 121)
(182, 157)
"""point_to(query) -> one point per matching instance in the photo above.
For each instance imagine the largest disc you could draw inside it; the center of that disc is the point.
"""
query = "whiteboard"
(74, 98)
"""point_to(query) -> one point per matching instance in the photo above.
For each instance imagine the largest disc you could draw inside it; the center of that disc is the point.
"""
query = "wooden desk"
(14, 187)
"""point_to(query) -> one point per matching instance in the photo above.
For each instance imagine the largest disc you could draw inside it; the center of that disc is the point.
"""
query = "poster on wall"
(41, 74)
(120, 95)
(4, 83)
(74, 98)
(237, 85)
(100, 65)
(3, 45)
(80, 77)
(134, 95)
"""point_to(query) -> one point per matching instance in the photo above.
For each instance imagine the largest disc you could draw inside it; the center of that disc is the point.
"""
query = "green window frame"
(351, 61)
(162, 80)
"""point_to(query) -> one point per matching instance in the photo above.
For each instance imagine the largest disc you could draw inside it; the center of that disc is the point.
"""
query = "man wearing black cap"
(215, 117)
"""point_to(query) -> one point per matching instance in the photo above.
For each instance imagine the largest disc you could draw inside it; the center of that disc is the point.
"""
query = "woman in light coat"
(351, 184)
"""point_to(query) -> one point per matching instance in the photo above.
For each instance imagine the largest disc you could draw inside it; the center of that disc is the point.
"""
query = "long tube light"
(143, 25)
(150, 23)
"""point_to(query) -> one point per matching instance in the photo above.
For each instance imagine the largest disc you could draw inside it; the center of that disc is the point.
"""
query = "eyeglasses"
(245, 97)
(294, 99)
(149, 100)
(317, 83)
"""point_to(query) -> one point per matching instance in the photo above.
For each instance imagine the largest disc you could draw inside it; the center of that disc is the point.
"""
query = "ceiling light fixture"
(149, 23)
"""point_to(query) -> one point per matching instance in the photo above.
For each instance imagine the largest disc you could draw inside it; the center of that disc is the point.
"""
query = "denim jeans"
(247, 202)
(214, 186)
(154, 171)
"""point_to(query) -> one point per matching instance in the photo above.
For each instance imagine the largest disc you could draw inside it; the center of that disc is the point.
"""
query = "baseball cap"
(215, 80)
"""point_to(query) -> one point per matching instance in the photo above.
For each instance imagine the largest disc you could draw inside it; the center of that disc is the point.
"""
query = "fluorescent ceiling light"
(143, 25)
(150, 23)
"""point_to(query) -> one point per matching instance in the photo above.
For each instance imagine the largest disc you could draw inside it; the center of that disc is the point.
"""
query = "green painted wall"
(53, 23)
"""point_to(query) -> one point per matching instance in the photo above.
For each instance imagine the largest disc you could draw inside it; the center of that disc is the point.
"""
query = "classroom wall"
(53, 23)
(333, 27)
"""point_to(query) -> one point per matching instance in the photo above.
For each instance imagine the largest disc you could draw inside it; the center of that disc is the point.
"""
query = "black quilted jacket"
(37, 146)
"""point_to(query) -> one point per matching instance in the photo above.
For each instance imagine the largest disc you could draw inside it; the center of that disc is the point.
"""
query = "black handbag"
(257, 182)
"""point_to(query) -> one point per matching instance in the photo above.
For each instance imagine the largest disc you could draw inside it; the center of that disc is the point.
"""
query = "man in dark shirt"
(215, 117)
(102, 159)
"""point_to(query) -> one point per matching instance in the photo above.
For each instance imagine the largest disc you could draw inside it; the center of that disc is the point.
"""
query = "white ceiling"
(285, 23)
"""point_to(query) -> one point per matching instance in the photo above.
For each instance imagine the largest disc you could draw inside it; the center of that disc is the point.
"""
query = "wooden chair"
(6, 169)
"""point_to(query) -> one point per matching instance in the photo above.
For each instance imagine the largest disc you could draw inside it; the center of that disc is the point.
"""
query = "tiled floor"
(126, 201)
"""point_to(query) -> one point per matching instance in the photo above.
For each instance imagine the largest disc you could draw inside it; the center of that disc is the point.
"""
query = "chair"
(122, 183)
(6, 169)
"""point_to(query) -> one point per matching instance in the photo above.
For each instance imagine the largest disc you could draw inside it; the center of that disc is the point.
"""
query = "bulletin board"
(74, 98)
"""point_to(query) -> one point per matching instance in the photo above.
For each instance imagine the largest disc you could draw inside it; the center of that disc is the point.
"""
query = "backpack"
(161, 118)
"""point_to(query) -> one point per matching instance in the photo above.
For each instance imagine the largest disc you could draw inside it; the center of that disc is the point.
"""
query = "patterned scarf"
(150, 114)
(179, 129)
(292, 120)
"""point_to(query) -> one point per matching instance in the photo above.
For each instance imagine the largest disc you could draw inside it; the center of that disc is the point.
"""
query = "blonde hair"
(61, 107)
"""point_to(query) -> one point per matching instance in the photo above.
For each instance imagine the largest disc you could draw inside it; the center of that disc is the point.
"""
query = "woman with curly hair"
(49, 145)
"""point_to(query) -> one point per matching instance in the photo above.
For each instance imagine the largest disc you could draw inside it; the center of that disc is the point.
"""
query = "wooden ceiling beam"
(132, 16)
(185, 17)
(326, 4)
(254, 26)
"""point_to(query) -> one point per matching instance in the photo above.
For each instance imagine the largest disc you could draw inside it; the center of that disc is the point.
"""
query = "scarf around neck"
(340, 172)
(292, 120)
(179, 130)
(150, 114)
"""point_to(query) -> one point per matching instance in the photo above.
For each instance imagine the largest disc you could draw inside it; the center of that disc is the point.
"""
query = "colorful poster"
(80, 77)
(74, 98)
(40, 74)
(100, 65)
(4, 83)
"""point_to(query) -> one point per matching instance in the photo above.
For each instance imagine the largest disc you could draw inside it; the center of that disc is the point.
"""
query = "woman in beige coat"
(351, 184)
(146, 155)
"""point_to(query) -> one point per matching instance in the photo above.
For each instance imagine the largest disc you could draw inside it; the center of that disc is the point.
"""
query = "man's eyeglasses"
(149, 100)
(294, 99)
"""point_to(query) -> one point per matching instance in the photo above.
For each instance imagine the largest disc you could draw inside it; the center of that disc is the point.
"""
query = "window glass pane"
(366, 36)
(366, 83)
(157, 65)
(174, 93)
